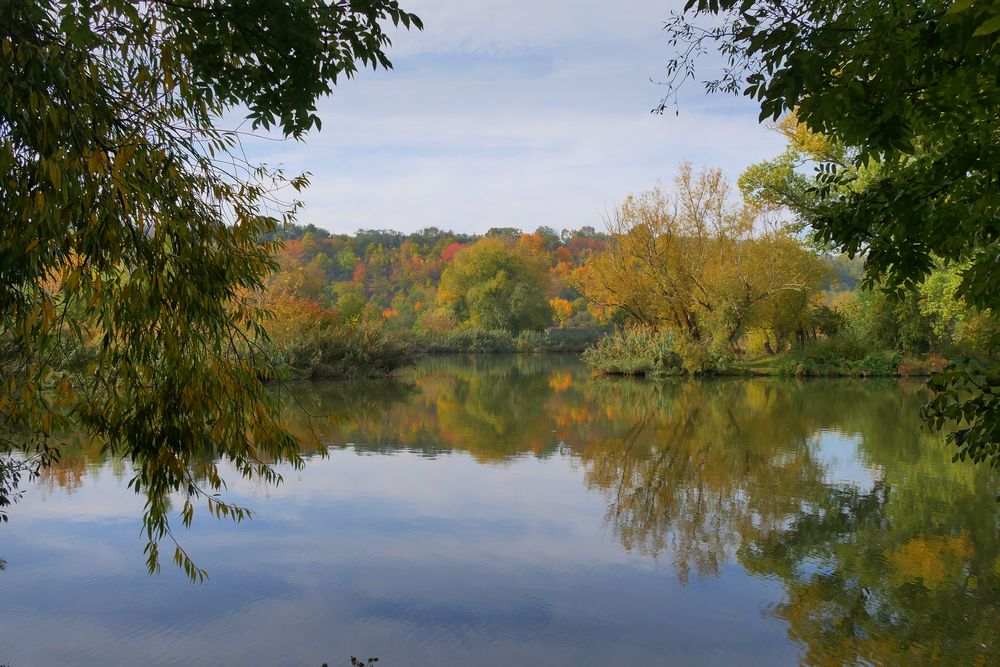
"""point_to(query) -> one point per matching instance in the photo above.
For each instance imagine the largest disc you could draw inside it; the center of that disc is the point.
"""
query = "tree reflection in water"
(897, 564)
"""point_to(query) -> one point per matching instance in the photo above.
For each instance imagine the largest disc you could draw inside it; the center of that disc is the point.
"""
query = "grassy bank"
(802, 364)
(479, 341)
(634, 351)
(322, 350)
(327, 351)
(643, 352)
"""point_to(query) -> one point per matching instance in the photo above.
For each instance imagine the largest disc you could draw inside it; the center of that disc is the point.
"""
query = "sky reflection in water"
(502, 509)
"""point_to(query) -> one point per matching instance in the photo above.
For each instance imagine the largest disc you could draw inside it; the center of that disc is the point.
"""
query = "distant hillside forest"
(435, 281)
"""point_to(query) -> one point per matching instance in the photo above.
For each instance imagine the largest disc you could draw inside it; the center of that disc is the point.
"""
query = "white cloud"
(511, 114)
(503, 26)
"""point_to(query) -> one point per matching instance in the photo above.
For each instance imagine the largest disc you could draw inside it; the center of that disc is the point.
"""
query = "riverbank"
(880, 364)
(343, 353)
(340, 352)
(643, 352)
(365, 352)
(480, 341)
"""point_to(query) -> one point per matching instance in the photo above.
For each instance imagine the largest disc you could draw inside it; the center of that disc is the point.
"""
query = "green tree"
(490, 285)
(951, 319)
(349, 299)
(911, 89)
(131, 224)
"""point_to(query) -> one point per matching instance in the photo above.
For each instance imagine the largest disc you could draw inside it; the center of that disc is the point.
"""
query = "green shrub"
(320, 347)
(634, 350)
(360, 351)
(533, 341)
(483, 341)
(922, 367)
(469, 340)
(839, 357)
(703, 357)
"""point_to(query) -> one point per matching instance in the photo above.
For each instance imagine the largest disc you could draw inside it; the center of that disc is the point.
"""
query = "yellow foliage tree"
(562, 310)
(698, 264)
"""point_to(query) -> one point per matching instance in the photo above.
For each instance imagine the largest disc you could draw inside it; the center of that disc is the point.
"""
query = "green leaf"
(988, 27)
(960, 6)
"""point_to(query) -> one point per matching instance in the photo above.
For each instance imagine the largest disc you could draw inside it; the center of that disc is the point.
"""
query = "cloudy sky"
(512, 113)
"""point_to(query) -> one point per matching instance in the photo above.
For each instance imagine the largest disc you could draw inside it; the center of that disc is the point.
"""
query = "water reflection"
(896, 561)
(885, 552)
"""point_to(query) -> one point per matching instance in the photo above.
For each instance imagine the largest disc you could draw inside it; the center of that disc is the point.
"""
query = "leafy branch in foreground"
(132, 227)
(968, 394)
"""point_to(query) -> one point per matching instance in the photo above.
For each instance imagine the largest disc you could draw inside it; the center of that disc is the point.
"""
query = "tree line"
(694, 277)
(709, 279)
(435, 280)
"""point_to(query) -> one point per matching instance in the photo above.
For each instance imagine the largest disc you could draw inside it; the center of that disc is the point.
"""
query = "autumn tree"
(562, 310)
(131, 219)
(494, 285)
(698, 264)
(911, 89)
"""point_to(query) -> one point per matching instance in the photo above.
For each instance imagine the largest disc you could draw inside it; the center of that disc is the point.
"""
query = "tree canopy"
(910, 91)
(703, 266)
(493, 284)
(132, 221)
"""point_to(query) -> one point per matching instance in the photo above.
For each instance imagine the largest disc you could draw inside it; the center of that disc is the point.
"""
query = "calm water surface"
(512, 510)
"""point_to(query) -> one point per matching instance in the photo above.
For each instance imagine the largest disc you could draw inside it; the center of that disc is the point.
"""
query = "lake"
(512, 510)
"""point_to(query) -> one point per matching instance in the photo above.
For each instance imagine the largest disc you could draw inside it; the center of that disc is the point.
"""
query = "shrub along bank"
(642, 351)
(309, 341)
(481, 341)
